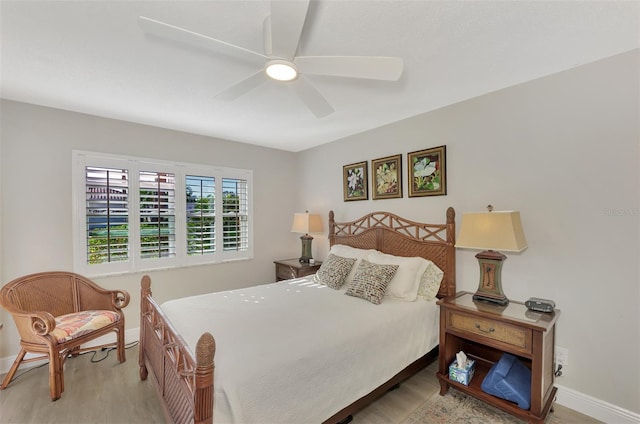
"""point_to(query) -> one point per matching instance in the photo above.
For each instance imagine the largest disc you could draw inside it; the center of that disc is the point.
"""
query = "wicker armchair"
(56, 313)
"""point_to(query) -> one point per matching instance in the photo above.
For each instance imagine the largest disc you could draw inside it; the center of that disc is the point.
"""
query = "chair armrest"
(32, 324)
(92, 296)
(121, 298)
(42, 323)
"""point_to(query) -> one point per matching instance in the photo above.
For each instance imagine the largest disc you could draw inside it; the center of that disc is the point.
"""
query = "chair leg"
(14, 368)
(55, 376)
(61, 374)
(121, 354)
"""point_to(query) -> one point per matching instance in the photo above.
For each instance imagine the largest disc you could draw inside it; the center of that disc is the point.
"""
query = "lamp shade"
(500, 230)
(306, 223)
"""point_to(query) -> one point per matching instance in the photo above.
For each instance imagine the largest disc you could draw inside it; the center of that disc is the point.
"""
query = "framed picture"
(355, 181)
(387, 177)
(427, 172)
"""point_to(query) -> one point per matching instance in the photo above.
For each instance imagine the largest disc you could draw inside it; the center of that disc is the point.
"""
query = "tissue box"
(462, 375)
(509, 379)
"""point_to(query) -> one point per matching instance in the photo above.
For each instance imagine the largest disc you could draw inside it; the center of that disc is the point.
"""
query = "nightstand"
(484, 332)
(293, 268)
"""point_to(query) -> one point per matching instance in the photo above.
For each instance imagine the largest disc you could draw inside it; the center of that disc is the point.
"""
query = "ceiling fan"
(282, 30)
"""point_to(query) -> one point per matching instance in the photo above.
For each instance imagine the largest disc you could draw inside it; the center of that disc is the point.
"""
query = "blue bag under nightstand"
(509, 379)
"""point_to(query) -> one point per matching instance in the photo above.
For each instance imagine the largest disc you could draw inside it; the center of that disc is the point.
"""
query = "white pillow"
(406, 281)
(350, 252)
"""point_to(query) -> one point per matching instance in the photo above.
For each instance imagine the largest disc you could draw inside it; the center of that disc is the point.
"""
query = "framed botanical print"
(427, 173)
(387, 177)
(355, 182)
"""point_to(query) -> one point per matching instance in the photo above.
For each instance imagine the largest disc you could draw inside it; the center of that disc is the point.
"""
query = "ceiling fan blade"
(287, 20)
(242, 87)
(164, 30)
(368, 67)
(311, 97)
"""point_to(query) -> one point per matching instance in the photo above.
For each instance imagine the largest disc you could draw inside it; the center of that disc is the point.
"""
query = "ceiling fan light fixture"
(281, 70)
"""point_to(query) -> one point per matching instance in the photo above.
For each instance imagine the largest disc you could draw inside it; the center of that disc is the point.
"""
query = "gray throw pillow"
(371, 281)
(333, 271)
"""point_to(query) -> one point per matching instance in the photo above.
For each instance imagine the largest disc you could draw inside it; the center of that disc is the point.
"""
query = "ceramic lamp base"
(490, 286)
(306, 248)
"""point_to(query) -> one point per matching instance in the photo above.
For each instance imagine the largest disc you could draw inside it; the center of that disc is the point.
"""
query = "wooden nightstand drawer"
(308, 271)
(293, 268)
(285, 272)
(519, 338)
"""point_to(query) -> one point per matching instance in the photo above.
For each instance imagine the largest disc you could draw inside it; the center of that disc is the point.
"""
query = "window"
(201, 218)
(235, 228)
(131, 214)
(107, 214)
(157, 215)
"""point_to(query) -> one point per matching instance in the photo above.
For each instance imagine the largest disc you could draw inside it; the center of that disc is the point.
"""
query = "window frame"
(134, 165)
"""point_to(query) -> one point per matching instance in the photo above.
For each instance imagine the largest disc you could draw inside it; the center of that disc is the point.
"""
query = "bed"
(308, 363)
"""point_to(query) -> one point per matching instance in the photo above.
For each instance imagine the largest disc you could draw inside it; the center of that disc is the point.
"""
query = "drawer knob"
(490, 330)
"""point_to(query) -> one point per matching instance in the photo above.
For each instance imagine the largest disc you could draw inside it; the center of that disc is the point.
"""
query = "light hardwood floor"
(110, 392)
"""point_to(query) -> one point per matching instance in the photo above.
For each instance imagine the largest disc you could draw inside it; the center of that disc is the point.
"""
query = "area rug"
(456, 407)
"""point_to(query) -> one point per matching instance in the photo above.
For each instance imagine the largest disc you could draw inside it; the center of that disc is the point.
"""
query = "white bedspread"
(298, 352)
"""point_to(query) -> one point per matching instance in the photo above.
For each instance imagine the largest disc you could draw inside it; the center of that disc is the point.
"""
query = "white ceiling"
(92, 57)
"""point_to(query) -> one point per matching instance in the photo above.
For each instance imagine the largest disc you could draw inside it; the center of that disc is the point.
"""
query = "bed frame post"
(451, 254)
(145, 292)
(203, 396)
(332, 229)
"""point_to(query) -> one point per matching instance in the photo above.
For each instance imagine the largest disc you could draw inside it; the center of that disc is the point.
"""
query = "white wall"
(35, 187)
(564, 151)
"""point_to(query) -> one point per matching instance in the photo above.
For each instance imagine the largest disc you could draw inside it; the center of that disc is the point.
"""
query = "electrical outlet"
(561, 358)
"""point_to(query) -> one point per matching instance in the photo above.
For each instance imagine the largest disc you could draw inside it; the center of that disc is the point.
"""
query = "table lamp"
(491, 231)
(306, 223)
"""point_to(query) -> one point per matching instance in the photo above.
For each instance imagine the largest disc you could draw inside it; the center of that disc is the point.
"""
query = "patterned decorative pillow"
(371, 280)
(333, 271)
(430, 282)
(350, 252)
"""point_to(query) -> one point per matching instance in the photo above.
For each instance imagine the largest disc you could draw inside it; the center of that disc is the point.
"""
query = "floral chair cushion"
(71, 326)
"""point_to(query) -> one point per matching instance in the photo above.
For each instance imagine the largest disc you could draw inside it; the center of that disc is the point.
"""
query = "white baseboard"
(130, 336)
(595, 408)
(567, 397)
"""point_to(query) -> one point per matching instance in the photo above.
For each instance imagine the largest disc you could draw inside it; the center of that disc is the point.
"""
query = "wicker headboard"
(394, 235)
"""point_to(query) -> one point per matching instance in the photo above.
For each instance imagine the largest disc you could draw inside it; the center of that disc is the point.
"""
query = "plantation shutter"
(200, 196)
(107, 215)
(157, 215)
(235, 213)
